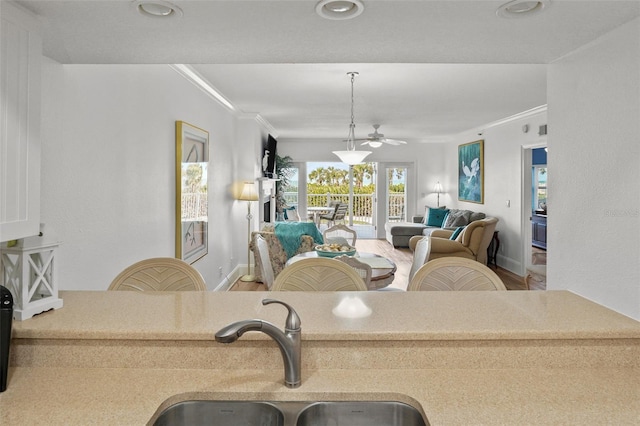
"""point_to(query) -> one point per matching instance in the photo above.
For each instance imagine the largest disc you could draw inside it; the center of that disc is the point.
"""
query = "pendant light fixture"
(351, 156)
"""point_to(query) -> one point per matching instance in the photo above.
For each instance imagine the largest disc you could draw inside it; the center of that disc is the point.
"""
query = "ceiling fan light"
(375, 144)
(352, 157)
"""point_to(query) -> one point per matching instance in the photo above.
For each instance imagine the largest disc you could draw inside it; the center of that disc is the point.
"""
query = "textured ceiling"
(428, 68)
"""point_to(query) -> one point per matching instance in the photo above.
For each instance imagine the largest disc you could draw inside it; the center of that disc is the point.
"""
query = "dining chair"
(455, 273)
(159, 274)
(420, 255)
(319, 274)
(361, 268)
(340, 232)
(266, 269)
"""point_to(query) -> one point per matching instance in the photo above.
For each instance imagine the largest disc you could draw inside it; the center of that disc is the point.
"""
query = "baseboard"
(231, 278)
(510, 265)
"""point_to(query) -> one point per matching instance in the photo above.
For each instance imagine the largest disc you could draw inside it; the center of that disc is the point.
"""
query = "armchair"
(472, 243)
(277, 253)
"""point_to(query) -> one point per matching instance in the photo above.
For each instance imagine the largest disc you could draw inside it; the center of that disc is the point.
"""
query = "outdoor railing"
(396, 207)
(362, 205)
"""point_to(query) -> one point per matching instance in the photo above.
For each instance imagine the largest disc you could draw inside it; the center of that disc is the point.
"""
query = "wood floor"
(403, 257)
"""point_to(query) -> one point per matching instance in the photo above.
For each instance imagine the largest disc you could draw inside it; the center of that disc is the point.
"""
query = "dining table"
(317, 211)
(382, 269)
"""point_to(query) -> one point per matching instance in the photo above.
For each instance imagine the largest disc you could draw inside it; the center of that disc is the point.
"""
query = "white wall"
(502, 180)
(594, 158)
(108, 159)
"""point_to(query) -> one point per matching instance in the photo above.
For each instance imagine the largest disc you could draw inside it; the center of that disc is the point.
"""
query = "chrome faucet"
(288, 341)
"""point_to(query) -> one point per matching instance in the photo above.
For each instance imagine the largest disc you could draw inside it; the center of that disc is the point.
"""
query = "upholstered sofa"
(277, 253)
(471, 243)
(399, 233)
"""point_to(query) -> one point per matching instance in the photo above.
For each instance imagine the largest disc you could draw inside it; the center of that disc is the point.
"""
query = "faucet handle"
(293, 320)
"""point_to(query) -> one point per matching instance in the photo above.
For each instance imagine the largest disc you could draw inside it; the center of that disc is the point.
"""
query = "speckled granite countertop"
(395, 316)
(462, 358)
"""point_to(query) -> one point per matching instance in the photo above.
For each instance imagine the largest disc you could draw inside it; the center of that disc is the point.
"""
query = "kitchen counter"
(461, 358)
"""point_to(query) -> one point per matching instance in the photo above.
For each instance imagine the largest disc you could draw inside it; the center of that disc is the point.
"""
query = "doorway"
(326, 182)
(396, 194)
(534, 211)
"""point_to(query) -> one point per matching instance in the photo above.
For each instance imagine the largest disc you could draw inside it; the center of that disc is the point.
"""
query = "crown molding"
(519, 116)
(260, 120)
(203, 84)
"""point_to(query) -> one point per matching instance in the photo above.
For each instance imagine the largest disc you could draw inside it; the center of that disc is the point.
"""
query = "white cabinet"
(20, 55)
(30, 272)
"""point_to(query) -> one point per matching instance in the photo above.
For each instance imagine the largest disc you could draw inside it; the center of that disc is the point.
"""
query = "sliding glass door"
(334, 181)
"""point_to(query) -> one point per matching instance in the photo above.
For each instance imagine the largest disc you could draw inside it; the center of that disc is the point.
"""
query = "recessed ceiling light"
(521, 8)
(339, 9)
(157, 8)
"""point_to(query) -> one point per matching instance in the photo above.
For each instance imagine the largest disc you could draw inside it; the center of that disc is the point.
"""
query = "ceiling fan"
(376, 139)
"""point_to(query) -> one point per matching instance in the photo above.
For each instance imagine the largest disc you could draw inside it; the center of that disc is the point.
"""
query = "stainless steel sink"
(290, 413)
(221, 413)
(360, 413)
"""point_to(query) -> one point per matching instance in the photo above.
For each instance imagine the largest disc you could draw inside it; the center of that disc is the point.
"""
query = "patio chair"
(338, 214)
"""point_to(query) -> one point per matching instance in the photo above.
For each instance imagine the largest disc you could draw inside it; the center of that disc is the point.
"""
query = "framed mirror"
(192, 215)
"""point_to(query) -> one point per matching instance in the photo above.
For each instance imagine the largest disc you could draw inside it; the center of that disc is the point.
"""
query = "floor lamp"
(249, 195)
(438, 190)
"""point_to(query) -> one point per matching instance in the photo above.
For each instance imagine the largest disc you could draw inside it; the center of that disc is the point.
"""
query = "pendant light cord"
(351, 156)
(351, 139)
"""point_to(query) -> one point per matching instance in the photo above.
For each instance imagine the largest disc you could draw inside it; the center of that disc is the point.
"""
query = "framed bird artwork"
(471, 172)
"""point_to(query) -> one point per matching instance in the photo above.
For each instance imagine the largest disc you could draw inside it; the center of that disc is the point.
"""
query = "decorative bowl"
(329, 250)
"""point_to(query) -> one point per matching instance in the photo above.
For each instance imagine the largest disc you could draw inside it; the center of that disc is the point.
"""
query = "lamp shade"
(248, 192)
(438, 188)
(352, 157)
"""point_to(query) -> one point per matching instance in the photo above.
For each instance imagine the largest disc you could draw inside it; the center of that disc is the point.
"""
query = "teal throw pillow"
(457, 232)
(436, 217)
(425, 216)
